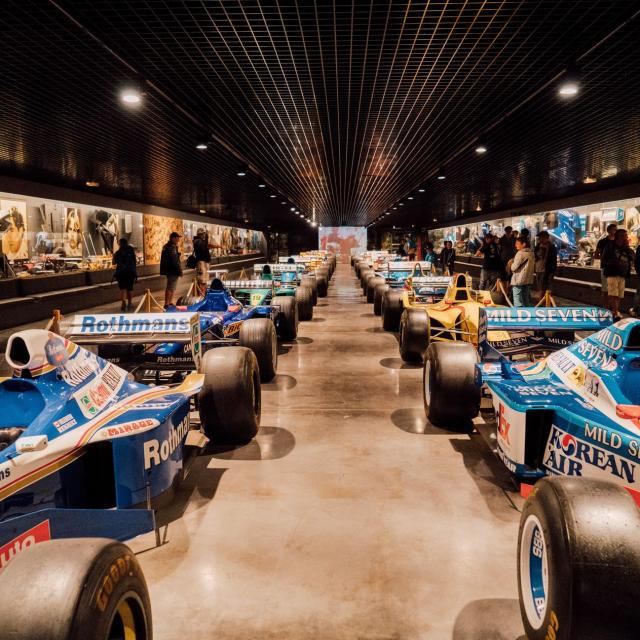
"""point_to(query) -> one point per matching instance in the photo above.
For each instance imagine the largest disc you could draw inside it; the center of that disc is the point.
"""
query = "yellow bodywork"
(456, 316)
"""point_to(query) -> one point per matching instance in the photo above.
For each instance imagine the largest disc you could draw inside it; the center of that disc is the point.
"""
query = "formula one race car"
(454, 317)
(288, 281)
(316, 267)
(81, 441)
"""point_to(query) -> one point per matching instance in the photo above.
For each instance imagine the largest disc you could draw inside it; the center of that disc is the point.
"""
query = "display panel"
(343, 240)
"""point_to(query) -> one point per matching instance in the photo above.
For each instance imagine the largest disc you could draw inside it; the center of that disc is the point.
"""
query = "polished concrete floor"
(348, 516)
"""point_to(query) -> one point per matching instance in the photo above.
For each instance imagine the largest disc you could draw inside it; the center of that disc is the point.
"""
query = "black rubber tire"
(187, 301)
(74, 589)
(371, 287)
(451, 396)
(368, 282)
(363, 278)
(323, 286)
(378, 293)
(304, 299)
(259, 335)
(287, 322)
(309, 280)
(414, 334)
(229, 402)
(391, 309)
(588, 532)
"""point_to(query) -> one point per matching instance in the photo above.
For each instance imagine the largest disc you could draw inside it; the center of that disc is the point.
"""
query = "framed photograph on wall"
(13, 228)
(72, 236)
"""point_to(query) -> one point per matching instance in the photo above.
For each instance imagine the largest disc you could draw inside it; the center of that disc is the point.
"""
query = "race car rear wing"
(407, 266)
(508, 324)
(433, 282)
(233, 285)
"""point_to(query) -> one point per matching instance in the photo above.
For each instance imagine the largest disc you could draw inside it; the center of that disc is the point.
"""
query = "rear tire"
(187, 301)
(363, 278)
(75, 589)
(414, 334)
(579, 561)
(304, 299)
(287, 321)
(391, 310)
(451, 396)
(229, 401)
(371, 288)
(259, 335)
(308, 280)
(323, 286)
(378, 293)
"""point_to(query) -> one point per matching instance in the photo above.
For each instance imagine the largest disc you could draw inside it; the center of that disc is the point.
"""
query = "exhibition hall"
(320, 320)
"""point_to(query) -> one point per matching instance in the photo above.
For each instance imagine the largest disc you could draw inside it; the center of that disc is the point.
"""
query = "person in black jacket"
(447, 258)
(546, 263)
(126, 272)
(616, 262)
(170, 267)
(203, 259)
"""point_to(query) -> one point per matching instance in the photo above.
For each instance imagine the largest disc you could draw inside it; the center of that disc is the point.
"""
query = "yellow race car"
(455, 317)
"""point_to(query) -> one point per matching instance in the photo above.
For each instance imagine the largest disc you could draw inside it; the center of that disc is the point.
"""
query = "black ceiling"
(345, 107)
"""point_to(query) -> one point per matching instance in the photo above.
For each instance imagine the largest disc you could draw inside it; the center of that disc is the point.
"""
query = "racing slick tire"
(259, 335)
(287, 322)
(371, 287)
(378, 292)
(363, 278)
(368, 282)
(323, 286)
(391, 310)
(451, 396)
(75, 589)
(304, 300)
(579, 561)
(414, 334)
(187, 301)
(310, 281)
(230, 399)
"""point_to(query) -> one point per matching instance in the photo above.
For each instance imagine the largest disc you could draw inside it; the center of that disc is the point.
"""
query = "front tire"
(287, 317)
(579, 561)
(75, 589)
(308, 280)
(323, 286)
(378, 293)
(230, 400)
(259, 335)
(451, 396)
(391, 310)
(414, 334)
(304, 300)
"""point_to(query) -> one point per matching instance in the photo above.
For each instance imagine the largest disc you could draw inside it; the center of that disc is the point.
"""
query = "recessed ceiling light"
(92, 183)
(292, 209)
(441, 174)
(284, 202)
(131, 96)
(394, 208)
(481, 147)
(590, 180)
(262, 185)
(410, 198)
(401, 204)
(421, 189)
(568, 88)
(202, 211)
(202, 145)
(273, 195)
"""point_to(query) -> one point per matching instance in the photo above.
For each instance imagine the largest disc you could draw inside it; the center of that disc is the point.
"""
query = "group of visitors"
(511, 261)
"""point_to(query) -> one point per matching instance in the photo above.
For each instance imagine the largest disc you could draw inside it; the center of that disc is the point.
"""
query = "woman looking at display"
(126, 272)
(522, 272)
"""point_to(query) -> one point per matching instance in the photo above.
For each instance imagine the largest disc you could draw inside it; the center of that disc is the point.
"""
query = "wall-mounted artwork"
(72, 236)
(13, 227)
(156, 235)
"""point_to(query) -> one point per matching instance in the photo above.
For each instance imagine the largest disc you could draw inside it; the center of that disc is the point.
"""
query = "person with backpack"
(616, 262)
(522, 273)
(126, 273)
(170, 267)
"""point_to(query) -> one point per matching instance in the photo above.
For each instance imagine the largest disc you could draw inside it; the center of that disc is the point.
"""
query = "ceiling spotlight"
(478, 207)
(292, 209)
(568, 89)
(421, 189)
(273, 195)
(242, 171)
(394, 208)
(202, 211)
(410, 198)
(131, 96)
(284, 202)
(481, 146)
(441, 175)
(202, 145)
(401, 204)
(590, 180)
(92, 183)
(262, 185)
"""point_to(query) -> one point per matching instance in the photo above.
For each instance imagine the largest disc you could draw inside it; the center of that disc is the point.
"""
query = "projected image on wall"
(344, 240)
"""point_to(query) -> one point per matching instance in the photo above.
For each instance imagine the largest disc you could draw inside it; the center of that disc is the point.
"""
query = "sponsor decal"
(563, 361)
(507, 462)
(156, 452)
(491, 368)
(503, 425)
(94, 396)
(55, 350)
(65, 423)
(145, 323)
(571, 456)
(549, 315)
(542, 390)
(76, 370)
(610, 339)
(154, 405)
(232, 328)
(40, 533)
(121, 567)
(129, 428)
(596, 356)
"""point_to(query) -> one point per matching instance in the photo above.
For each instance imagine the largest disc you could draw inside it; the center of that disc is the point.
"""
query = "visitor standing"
(600, 247)
(492, 265)
(126, 272)
(430, 256)
(447, 258)
(507, 244)
(203, 259)
(617, 259)
(546, 262)
(522, 273)
(170, 267)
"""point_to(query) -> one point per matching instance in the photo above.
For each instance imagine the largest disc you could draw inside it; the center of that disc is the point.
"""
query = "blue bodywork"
(574, 412)
(81, 440)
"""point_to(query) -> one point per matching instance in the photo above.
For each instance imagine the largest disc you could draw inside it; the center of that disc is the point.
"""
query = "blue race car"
(81, 441)
(247, 319)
